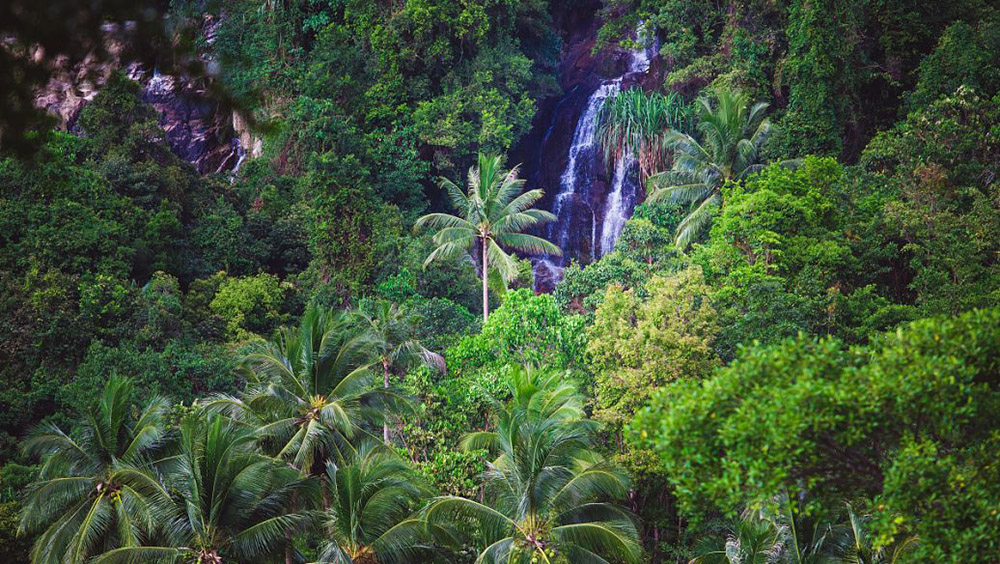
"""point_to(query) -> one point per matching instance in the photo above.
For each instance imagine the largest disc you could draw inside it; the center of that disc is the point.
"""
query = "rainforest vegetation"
(334, 352)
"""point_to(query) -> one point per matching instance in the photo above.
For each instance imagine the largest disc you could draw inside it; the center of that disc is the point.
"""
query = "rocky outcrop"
(198, 128)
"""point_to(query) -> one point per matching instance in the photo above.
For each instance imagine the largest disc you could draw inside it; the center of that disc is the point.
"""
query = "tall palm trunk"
(385, 381)
(289, 546)
(486, 296)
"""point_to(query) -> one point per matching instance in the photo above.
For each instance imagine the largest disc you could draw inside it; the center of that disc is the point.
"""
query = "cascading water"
(584, 163)
(578, 168)
(240, 154)
(621, 202)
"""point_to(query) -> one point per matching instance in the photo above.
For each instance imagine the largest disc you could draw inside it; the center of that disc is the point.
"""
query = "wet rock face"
(544, 151)
(197, 131)
(562, 155)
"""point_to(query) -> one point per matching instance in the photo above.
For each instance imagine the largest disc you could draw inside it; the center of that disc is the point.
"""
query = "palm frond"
(442, 220)
(528, 243)
(520, 204)
(680, 193)
(448, 509)
(261, 537)
(693, 225)
(140, 555)
(458, 199)
(518, 222)
(479, 440)
(447, 251)
(97, 488)
(616, 540)
(500, 261)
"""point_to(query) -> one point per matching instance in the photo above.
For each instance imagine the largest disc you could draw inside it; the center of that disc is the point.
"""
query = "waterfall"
(585, 156)
(621, 202)
(621, 199)
(577, 173)
(241, 155)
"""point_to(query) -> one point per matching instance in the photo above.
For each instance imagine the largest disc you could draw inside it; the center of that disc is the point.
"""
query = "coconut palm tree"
(547, 487)
(388, 333)
(230, 502)
(96, 489)
(806, 539)
(310, 392)
(726, 147)
(373, 496)
(494, 214)
(859, 547)
(774, 532)
(639, 123)
(752, 539)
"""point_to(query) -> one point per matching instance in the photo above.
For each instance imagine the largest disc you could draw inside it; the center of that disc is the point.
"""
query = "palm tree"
(230, 504)
(730, 133)
(369, 519)
(546, 483)
(494, 214)
(752, 539)
(806, 539)
(859, 548)
(774, 532)
(96, 490)
(389, 336)
(311, 391)
(639, 123)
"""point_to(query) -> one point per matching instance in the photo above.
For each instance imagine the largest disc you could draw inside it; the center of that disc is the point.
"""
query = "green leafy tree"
(966, 55)
(526, 329)
(250, 305)
(548, 489)
(442, 322)
(942, 206)
(494, 215)
(220, 235)
(781, 258)
(456, 279)
(13, 547)
(824, 60)
(906, 421)
(638, 343)
(730, 133)
(638, 346)
(119, 121)
(97, 489)
(311, 391)
(230, 502)
(352, 230)
(370, 518)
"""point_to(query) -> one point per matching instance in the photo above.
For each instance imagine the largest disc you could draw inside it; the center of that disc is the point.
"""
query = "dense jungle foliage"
(791, 355)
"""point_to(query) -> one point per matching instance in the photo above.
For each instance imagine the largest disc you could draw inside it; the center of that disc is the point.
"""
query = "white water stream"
(576, 178)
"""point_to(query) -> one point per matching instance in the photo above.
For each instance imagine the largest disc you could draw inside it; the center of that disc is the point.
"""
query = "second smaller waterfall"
(621, 202)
